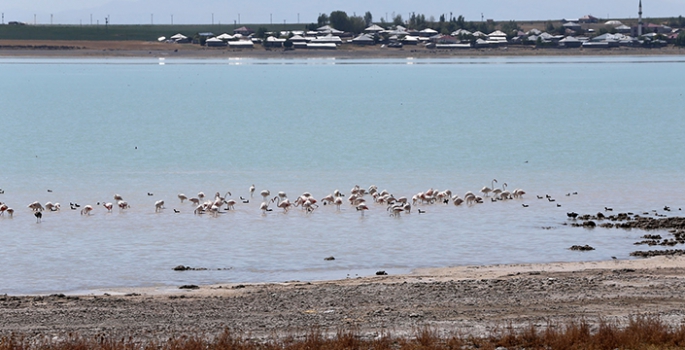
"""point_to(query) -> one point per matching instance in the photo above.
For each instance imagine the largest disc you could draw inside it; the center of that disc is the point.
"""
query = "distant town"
(338, 30)
(332, 31)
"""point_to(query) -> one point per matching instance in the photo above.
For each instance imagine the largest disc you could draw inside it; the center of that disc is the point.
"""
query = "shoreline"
(474, 300)
(428, 274)
(136, 49)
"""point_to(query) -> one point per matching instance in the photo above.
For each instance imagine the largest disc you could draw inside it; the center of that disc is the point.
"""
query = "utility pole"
(91, 19)
(51, 19)
(3, 18)
(238, 18)
(271, 18)
(298, 18)
(34, 19)
(212, 18)
(152, 22)
(172, 20)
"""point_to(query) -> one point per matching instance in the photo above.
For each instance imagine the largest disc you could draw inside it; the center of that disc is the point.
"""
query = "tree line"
(445, 25)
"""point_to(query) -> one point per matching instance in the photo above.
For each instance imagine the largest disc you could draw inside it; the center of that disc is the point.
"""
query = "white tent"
(225, 36)
(178, 36)
(497, 33)
(241, 43)
(374, 28)
(429, 31)
(328, 30)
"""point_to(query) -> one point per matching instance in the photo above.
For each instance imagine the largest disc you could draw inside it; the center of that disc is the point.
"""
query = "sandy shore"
(474, 300)
(48, 48)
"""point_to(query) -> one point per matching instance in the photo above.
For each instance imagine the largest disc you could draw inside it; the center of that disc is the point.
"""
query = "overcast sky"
(306, 11)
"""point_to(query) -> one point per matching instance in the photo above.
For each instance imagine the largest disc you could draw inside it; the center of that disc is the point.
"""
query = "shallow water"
(608, 128)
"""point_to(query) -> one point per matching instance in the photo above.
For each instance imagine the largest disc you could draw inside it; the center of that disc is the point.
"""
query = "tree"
(261, 32)
(680, 40)
(339, 20)
(398, 20)
(356, 24)
(322, 20)
(510, 27)
(368, 18)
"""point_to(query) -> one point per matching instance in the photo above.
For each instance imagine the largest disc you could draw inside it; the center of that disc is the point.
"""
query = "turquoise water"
(609, 128)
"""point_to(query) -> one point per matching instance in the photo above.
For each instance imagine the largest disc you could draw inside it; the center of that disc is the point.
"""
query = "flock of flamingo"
(357, 198)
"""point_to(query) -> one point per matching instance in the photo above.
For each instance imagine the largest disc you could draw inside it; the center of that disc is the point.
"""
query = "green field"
(123, 32)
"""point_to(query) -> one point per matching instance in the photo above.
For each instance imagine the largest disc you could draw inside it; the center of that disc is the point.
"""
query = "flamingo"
(309, 205)
(283, 204)
(108, 206)
(407, 208)
(200, 209)
(230, 204)
(117, 197)
(86, 210)
(10, 212)
(182, 197)
(485, 190)
(159, 205)
(518, 193)
(265, 193)
(497, 191)
(338, 202)
(194, 200)
(201, 195)
(283, 195)
(3, 208)
(469, 197)
(328, 199)
(252, 188)
(35, 206)
(264, 207)
(123, 205)
(457, 201)
(362, 207)
(396, 210)
(52, 207)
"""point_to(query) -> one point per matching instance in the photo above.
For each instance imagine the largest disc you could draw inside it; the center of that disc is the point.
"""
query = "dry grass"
(639, 333)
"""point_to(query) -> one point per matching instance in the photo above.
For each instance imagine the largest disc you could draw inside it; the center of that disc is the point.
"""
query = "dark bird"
(150, 194)
(667, 208)
(422, 211)
(39, 216)
(608, 209)
(525, 205)
(568, 195)
(176, 211)
(550, 199)
(540, 197)
(50, 191)
(558, 205)
(572, 215)
(613, 257)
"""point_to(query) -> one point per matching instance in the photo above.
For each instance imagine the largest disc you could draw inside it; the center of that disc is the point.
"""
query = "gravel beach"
(467, 300)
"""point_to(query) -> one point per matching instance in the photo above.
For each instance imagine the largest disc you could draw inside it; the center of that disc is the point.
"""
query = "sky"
(307, 11)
